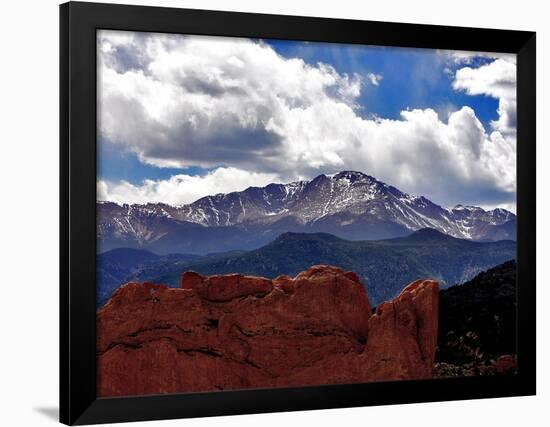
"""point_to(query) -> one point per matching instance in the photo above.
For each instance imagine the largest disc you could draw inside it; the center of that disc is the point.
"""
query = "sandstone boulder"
(235, 331)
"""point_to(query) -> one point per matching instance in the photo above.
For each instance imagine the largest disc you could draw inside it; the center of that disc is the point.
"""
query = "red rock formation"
(505, 364)
(235, 331)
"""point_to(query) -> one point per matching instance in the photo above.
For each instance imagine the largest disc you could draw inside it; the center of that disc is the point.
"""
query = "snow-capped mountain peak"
(349, 204)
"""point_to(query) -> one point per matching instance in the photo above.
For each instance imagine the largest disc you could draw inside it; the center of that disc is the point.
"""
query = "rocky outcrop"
(478, 325)
(234, 331)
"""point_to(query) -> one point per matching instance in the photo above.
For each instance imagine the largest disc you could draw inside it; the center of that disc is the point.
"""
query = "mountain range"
(350, 205)
(383, 265)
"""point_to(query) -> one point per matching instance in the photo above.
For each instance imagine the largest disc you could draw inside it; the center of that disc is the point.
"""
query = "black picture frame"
(78, 25)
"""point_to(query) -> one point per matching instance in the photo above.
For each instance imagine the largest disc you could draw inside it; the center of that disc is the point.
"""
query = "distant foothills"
(382, 266)
(349, 205)
(350, 220)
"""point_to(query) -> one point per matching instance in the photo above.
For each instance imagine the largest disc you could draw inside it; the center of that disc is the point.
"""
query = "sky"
(181, 117)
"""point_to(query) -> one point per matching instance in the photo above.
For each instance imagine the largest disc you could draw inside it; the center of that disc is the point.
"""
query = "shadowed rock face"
(234, 331)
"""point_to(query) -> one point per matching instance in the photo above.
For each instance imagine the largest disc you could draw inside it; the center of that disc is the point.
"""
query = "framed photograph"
(268, 213)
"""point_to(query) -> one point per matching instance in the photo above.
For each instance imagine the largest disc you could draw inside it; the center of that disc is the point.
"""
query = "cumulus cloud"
(498, 80)
(461, 57)
(375, 78)
(235, 104)
(181, 189)
(207, 101)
